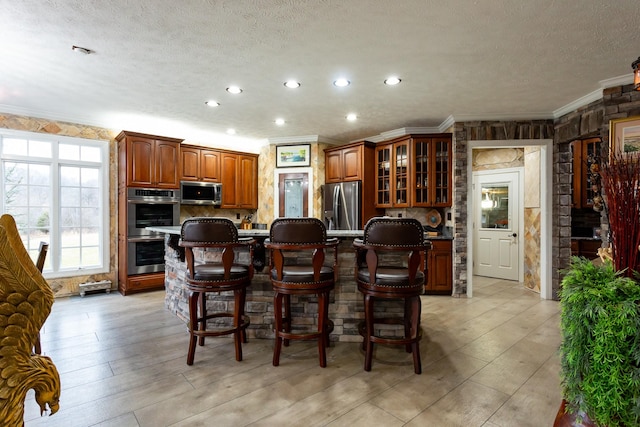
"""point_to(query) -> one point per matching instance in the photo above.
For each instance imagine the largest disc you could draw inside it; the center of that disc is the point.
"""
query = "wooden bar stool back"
(390, 264)
(217, 240)
(297, 267)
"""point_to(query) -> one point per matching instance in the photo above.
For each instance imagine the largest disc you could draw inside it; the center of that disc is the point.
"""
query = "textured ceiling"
(156, 62)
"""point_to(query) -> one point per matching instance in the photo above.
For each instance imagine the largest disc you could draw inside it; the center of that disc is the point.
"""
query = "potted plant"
(600, 350)
(600, 313)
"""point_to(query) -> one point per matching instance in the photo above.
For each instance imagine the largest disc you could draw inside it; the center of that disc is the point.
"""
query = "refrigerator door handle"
(336, 206)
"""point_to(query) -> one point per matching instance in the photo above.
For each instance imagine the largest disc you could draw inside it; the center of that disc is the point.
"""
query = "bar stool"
(293, 272)
(221, 273)
(381, 274)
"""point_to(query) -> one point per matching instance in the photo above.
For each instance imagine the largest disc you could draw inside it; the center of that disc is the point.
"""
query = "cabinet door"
(440, 169)
(586, 153)
(247, 189)
(439, 276)
(352, 163)
(400, 174)
(333, 166)
(590, 157)
(210, 165)
(421, 172)
(229, 163)
(190, 163)
(383, 175)
(166, 164)
(140, 162)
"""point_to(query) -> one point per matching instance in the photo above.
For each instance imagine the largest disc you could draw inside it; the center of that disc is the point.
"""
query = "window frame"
(56, 164)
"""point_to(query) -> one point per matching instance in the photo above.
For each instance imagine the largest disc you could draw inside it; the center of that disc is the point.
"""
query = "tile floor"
(490, 360)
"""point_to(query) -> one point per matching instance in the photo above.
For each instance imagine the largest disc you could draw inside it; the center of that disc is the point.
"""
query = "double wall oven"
(148, 207)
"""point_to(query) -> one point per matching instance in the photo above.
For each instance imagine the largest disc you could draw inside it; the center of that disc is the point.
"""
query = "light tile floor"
(490, 360)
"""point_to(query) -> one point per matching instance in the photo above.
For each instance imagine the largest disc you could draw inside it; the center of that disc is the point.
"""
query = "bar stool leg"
(368, 316)
(237, 320)
(322, 329)
(416, 308)
(286, 321)
(203, 316)
(277, 311)
(193, 325)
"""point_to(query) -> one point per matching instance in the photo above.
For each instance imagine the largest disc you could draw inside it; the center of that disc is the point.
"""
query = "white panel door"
(496, 228)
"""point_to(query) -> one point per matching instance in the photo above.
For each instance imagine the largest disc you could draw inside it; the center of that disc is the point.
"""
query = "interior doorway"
(498, 224)
(545, 178)
(293, 189)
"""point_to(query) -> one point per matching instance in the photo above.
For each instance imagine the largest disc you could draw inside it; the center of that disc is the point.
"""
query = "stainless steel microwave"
(200, 193)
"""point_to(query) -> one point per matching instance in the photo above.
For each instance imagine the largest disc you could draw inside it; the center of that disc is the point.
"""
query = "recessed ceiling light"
(212, 103)
(292, 84)
(352, 117)
(234, 89)
(391, 81)
(231, 131)
(280, 122)
(341, 82)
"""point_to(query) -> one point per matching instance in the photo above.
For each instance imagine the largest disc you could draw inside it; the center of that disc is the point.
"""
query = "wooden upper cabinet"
(239, 180)
(431, 171)
(149, 161)
(392, 174)
(344, 163)
(586, 154)
(199, 164)
(248, 178)
(414, 171)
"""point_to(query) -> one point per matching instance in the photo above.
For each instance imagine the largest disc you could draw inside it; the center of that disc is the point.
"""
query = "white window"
(57, 189)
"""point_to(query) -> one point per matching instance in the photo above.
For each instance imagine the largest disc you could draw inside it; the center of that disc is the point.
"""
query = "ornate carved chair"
(42, 256)
(297, 254)
(389, 265)
(25, 303)
(221, 272)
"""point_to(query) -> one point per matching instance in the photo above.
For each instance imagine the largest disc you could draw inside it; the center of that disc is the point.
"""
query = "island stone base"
(346, 308)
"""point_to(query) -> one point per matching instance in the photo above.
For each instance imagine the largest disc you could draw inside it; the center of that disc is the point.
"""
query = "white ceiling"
(156, 62)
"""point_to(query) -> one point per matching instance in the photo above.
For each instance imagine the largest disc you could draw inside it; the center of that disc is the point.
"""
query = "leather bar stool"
(383, 273)
(220, 274)
(297, 267)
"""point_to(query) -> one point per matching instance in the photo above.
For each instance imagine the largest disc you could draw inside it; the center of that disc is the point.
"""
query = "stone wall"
(588, 121)
(480, 131)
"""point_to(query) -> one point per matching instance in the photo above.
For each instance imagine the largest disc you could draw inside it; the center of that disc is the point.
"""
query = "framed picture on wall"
(624, 135)
(288, 156)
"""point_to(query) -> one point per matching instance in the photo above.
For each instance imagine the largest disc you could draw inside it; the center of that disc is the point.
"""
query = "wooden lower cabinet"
(141, 283)
(587, 248)
(439, 268)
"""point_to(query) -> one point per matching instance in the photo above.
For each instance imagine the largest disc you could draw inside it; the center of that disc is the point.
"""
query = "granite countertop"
(175, 229)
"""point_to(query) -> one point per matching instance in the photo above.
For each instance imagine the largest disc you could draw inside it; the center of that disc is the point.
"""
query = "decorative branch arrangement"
(620, 180)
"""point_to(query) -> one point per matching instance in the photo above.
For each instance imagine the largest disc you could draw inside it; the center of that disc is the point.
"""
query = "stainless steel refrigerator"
(342, 205)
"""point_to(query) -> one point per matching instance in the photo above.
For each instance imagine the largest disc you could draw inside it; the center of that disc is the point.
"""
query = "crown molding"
(626, 79)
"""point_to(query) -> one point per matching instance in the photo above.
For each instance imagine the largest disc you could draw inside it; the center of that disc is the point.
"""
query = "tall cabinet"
(145, 161)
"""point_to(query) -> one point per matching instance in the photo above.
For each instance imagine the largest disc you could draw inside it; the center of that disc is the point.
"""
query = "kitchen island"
(346, 307)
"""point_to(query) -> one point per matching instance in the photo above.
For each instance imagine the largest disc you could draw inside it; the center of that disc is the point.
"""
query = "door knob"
(514, 235)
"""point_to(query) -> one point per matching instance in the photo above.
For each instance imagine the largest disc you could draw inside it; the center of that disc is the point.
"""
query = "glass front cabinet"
(392, 174)
(431, 171)
(414, 171)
